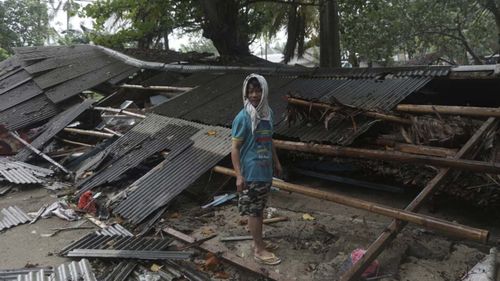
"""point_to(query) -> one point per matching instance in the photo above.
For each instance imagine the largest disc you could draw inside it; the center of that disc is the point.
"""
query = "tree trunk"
(223, 26)
(292, 32)
(329, 34)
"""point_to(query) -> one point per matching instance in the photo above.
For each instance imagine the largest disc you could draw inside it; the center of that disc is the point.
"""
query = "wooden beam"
(376, 115)
(422, 220)
(385, 238)
(230, 257)
(341, 151)
(453, 110)
(417, 149)
(157, 88)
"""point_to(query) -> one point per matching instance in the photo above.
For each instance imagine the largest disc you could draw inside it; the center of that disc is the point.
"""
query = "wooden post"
(371, 114)
(422, 220)
(396, 226)
(341, 151)
(417, 149)
(454, 110)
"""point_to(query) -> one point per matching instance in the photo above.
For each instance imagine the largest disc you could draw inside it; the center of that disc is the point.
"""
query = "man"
(254, 156)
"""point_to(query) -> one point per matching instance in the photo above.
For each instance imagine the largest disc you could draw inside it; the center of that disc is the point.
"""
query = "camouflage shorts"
(253, 199)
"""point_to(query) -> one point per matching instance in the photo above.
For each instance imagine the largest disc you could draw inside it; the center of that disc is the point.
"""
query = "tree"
(23, 23)
(493, 6)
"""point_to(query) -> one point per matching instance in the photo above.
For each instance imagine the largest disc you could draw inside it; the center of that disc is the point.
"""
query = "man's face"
(254, 95)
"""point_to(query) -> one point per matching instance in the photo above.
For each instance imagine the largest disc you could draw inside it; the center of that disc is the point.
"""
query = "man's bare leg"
(255, 227)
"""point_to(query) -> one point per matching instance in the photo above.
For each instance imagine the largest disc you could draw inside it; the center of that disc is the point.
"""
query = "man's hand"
(278, 170)
(240, 183)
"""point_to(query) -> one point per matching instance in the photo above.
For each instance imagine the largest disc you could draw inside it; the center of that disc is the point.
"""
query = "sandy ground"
(23, 245)
(311, 249)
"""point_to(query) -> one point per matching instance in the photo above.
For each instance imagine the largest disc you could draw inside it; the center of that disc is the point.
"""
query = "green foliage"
(3, 54)
(143, 23)
(23, 23)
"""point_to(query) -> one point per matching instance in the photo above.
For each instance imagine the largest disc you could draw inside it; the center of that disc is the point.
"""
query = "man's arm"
(235, 158)
(278, 170)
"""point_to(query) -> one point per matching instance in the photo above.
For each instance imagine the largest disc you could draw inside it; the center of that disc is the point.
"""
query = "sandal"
(272, 260)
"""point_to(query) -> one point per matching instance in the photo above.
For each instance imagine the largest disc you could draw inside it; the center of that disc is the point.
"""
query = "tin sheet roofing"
(161, 184)
(217, 101)
(12, 216)
(22, 173)
(73, 271)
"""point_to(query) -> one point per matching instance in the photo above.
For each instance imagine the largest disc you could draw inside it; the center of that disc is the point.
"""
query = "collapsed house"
(146, 131)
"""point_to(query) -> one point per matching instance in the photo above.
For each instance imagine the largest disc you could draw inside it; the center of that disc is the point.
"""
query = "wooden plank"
(19, 94)
(68, 72)
(384, 239)
(77, 85)
(219, 249)
(60, 61)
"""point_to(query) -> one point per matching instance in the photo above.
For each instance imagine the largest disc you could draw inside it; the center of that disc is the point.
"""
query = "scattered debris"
(61, 210)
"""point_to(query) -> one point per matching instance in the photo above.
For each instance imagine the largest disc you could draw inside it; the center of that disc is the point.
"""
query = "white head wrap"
(262, 111)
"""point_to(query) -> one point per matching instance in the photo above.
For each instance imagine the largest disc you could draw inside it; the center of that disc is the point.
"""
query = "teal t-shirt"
(256, 156)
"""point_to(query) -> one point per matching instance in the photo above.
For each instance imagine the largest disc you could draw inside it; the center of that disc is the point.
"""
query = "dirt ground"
(310, 249)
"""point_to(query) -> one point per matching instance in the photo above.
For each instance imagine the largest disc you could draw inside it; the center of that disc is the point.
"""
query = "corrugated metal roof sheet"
(117, 242)
(13, 216)
(55, 125)
(161, 184)
(170, 138)
(11, 274)
(22, 173)
(114, 230)
(73, 271)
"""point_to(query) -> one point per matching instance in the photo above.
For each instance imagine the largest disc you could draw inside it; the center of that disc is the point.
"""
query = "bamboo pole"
(453, 110)
(450, 228)
(371, 114)
(340, 151)
(385, 238)
(156, 88)
(417, 149)
(77, 143)
(89, 133)
(116, 110)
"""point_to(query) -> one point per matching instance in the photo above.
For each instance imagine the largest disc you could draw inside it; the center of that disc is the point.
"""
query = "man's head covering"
(262, 111)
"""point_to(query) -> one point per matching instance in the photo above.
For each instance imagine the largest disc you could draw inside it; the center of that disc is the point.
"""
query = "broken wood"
(66, 152)
(341, 151)
(121, 111)
(89, 133)
(452, 110)
(443, 226)
(112, 132)
(231, 257)
(38, 152)
(396, 226)
(417, 149)
(273, 220)
(156, 88)
(184, 237)
(376, 115)
(77, 143)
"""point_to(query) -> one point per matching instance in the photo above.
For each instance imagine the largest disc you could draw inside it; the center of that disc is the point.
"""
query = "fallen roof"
(218, 100)
(192, 150)
(37, 79)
